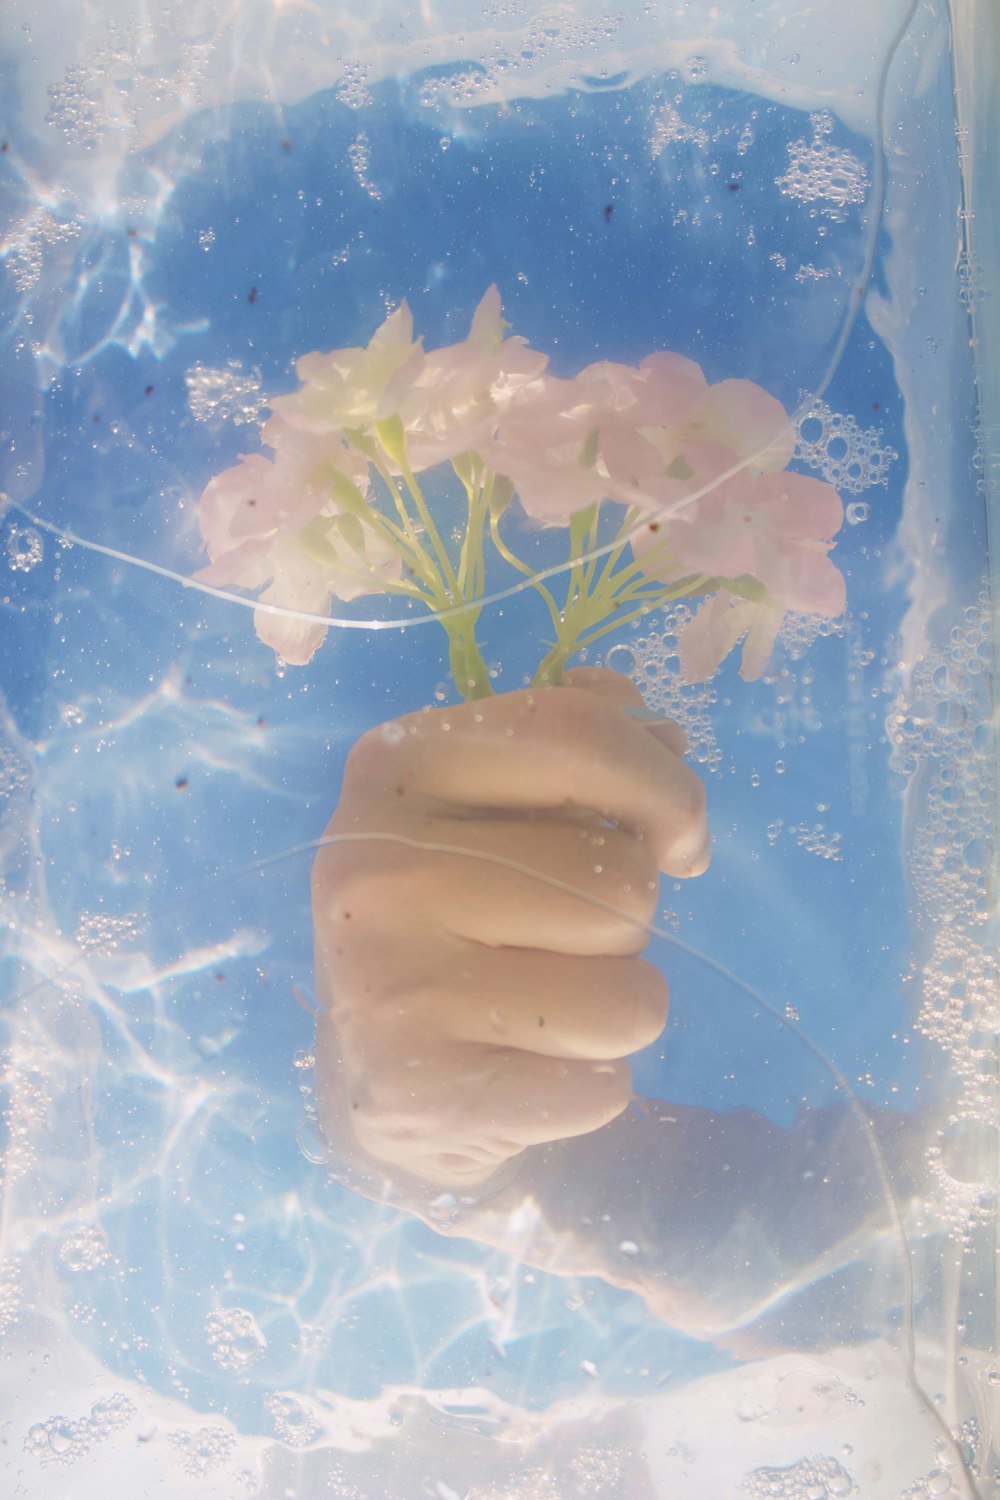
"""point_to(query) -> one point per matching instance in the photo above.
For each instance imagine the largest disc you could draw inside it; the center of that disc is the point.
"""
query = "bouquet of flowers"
(693, 475)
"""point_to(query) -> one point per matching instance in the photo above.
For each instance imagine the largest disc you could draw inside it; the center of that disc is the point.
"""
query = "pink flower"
(746, 419)
(541, 446)
(455, 400)
(647, 436)
(260, 497)
(448, 401)
(771, 534)
(717, 627)
(349, 389)
(276, 522)
(666, 390)
(778, 528)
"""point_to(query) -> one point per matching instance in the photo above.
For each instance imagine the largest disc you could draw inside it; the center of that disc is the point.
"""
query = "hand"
(479, 910)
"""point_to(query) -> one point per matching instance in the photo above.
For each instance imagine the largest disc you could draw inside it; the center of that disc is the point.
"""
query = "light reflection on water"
(210, 1303)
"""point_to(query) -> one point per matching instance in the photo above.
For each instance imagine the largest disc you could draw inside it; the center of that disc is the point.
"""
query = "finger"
(454, 1113)
(541, 749)
(553, 1005)
(563, 886)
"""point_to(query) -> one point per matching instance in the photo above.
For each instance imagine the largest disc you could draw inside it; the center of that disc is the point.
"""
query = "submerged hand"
(479, 910)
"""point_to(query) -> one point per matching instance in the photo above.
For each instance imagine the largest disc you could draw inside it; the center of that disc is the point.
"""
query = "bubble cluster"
(463, 86)
(63, 1439)
(809, 1479)
(545, 37)
(848, 457)
(234, 1338)
(352, 87)
(807, 272)
(359, 156)
(99, 932)
(232, 394)
(113, 89)
(933, 1486)
(24, 548)
(821, 173)
(971, 282)
(799, 632)
(536, 1484)
(598, 1470)
(668, 127)
(24, 244)
(76, 108)
(294, 1423)
(561, 31)
(26, 1110)
(654, 666)
(10, 1295)
(85, 1248)
(943, 739)
(202, 1451)
(14, 773)
(816, 840)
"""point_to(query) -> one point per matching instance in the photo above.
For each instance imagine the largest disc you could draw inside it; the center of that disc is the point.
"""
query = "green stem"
(582, 634)
(468, 669)
(392, 440)
(418, 558)
(522, 567)
(349, 498)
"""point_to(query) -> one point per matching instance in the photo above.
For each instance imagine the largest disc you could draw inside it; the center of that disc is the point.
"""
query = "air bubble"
(857, 512)
(312, 1142)
(821, 173)
(204, 1450)
(294, 1423)
(352, 87)
(653, 664)
(64, 1440)
(227, 394)
(85, 1249)
(24, 548)
(817, 1478)
(848, 457)
(234, 1338)
(976, 854)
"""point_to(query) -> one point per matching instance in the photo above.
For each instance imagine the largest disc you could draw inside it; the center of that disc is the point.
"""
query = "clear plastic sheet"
(772, 1276)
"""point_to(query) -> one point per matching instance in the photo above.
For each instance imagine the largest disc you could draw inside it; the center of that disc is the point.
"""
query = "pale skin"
(481, 1010)
(480, 907)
